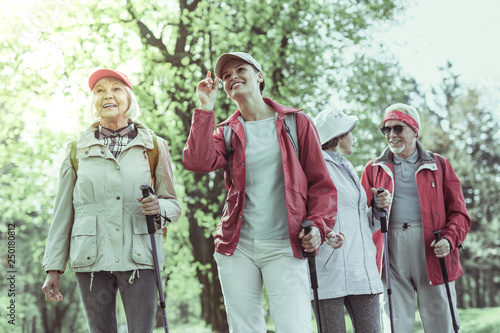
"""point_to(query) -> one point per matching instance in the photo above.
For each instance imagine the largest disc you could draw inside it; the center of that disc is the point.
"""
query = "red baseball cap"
(102, 73)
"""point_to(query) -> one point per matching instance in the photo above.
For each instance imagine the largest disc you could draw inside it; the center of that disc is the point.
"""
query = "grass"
(485, 320)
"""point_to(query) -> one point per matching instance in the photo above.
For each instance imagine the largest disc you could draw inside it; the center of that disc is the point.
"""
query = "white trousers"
(410, 286)
(270, 263)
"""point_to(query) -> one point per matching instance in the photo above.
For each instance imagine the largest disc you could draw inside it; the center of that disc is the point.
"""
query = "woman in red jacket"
(271, 190)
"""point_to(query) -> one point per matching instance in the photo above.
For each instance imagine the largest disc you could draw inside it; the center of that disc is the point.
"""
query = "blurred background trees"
(314, 54)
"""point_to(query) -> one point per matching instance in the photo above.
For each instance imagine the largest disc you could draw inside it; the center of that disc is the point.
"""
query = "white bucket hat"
(332, 123)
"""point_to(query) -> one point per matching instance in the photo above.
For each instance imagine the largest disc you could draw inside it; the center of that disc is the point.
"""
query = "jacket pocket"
(83, 248)
(141, 243)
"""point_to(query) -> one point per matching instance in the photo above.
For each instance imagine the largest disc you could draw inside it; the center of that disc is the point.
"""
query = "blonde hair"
(133, 111)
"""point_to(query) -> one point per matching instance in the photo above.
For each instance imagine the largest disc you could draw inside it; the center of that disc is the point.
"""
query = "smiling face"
(240, 78)
(403, 144)
(111, 100)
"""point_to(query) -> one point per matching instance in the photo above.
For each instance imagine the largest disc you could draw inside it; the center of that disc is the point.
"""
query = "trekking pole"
(444, 271)
(383, 229)
(311, 260)
(146, 190)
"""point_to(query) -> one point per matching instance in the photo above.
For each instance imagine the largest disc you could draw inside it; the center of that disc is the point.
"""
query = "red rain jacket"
(441, 201)
(310, 193)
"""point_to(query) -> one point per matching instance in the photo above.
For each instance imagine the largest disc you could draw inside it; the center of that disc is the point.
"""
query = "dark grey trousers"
(364, 311)
(139, 300)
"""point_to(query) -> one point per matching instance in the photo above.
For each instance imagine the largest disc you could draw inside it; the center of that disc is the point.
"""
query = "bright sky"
(466, 32)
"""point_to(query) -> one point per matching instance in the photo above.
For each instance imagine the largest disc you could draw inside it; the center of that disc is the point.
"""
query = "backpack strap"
(374, 178)
(228, 136)
(290, 123)
(153, 156)
(441, 171)
(72, 156)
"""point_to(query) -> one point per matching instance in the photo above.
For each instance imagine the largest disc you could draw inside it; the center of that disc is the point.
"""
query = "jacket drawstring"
(132, 279)
(91, 279)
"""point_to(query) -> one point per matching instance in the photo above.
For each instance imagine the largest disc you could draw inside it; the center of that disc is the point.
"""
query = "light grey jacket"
(97, 223)
(352, 269)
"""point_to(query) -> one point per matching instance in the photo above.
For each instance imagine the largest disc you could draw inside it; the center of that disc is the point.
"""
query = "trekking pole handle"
(437, 235)
(442, 261)
(307, 225)
(311, 257)
(383, 214)
(146, 190)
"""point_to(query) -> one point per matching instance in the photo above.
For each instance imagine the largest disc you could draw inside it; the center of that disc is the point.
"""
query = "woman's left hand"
(312, 240)
(150, 205)
(335, 240)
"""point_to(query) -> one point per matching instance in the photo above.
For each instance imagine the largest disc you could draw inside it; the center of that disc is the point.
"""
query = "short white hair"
(133, 111)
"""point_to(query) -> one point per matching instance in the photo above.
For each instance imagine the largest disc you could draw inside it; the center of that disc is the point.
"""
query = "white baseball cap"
(226, 57)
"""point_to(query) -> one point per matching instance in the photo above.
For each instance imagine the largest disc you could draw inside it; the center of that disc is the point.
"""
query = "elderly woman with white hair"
(99, 224)
(347, 274)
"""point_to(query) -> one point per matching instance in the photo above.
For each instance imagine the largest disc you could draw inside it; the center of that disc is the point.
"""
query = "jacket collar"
(280, 110)
(332, 156)
(143, 137)
(424, 156)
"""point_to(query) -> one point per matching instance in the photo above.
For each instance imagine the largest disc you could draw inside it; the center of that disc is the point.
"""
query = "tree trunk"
(490, 278)
(212, 301)
(213, 312)
(460, 288)
(478, 293)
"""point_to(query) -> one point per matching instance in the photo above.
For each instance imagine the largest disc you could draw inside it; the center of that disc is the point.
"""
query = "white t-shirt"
(264, 213)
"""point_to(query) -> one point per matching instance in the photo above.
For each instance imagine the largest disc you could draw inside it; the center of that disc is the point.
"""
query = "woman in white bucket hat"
(348, 275)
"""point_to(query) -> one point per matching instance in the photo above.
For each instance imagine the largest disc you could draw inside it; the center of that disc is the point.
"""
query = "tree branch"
(147, 34)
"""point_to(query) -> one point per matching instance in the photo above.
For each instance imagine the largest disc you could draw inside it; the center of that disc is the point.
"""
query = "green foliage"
(460, 126)
(471, 143)
(166, 48)
(312, 52)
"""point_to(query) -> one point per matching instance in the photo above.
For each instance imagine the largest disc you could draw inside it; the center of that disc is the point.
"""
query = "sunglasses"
(398, 129)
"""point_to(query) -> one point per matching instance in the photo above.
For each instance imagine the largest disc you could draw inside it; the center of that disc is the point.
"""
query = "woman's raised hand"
(207, 94)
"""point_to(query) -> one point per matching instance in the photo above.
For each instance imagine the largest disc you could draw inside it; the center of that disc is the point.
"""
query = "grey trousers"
(98, 295)
(410, 286)
(364, 311)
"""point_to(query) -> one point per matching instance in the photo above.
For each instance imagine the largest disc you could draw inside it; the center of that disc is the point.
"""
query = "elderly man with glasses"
(427, 196)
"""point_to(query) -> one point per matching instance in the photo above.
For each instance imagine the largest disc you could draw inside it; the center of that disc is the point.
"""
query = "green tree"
(459, 125)
(26, 196)
(297, 43)
(309, 50)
